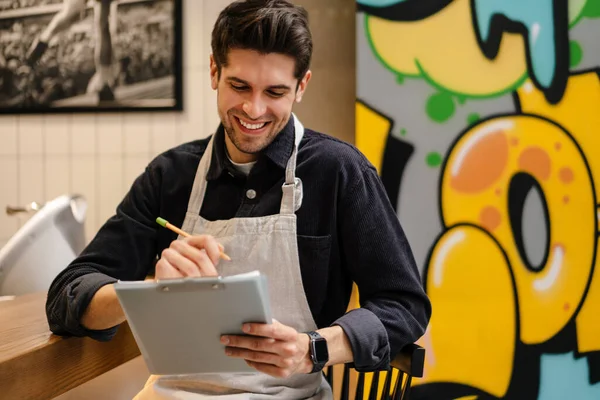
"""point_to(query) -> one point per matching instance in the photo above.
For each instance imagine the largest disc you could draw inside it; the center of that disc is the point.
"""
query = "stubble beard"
(249, 147)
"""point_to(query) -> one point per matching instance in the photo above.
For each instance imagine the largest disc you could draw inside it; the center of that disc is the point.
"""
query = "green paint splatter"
(592, 9)
(461, 99)
(575, 9)
(399, 79)
(472, 118)
(433, 159)
(440, 107)
(403, 132)
(576, 53)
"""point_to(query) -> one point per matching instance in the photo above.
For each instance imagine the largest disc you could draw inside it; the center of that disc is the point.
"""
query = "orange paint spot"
(566, 307)
(557, 146)
(566, 199)
(535, 161)
(514, 141)
(498, 192)
(480, 162)
(566, 175)
(490, 218)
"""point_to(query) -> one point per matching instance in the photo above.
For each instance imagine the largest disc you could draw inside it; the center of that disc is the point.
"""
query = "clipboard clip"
(189, 284)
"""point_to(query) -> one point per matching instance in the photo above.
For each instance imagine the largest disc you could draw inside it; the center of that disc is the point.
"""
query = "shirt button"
(251, 194)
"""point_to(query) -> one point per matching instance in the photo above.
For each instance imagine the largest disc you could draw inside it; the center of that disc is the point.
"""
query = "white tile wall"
(44, 156)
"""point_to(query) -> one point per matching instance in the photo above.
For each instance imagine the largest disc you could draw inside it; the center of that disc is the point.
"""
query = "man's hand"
(193, 256)
(274, 349)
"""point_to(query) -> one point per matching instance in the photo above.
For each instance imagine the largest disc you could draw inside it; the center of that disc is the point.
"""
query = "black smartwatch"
(318, 351)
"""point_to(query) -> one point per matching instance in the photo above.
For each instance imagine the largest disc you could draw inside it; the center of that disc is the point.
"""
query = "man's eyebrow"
(238, 80)
(280, 87)
(243, 82)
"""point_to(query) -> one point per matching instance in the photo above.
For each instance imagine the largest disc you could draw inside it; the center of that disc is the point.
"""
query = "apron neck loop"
(292, 188)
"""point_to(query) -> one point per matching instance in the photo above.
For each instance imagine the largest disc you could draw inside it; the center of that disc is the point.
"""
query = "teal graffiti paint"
(544, 25)
(564, 376)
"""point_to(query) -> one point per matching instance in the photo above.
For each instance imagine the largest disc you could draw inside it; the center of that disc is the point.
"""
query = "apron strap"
(199, 187)
(292, 188)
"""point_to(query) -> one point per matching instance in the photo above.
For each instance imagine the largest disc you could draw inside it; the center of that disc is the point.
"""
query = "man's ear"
(214, 73)
(302, 86)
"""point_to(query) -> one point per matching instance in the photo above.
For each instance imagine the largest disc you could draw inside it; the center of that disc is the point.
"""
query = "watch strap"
(317, 365)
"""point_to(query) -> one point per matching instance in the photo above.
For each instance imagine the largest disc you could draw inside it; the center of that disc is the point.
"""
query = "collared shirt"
(347, 231)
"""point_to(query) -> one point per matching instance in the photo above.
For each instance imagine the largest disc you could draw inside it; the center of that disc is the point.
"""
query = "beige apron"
(267, 244)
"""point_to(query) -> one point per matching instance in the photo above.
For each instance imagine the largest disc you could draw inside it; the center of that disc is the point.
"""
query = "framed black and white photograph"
(90, 55)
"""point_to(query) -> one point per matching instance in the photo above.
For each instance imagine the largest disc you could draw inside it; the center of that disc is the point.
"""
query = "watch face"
(320, 351)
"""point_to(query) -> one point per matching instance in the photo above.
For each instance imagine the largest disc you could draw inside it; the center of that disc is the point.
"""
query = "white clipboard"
(178, 323)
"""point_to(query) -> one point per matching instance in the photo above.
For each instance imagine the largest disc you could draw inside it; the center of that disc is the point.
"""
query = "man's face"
(255, 95)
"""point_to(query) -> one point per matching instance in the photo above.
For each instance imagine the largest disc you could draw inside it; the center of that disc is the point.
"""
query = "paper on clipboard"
(177, 323)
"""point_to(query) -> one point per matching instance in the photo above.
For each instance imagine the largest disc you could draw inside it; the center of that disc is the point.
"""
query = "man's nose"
(254, 108)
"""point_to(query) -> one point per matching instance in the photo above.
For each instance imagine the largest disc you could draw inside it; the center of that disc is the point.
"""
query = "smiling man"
(317, 212)
(255, 108)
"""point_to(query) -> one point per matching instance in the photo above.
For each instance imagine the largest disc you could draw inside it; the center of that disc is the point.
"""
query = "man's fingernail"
(228, 352)
(246, 328)
(225, 340)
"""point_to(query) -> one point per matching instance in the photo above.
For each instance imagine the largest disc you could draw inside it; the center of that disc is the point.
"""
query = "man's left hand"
(274, 349)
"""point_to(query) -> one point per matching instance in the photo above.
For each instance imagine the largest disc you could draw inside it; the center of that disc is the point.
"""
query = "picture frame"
(73, 56)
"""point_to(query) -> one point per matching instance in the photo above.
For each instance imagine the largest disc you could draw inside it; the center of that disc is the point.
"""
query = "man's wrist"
(104, 310)
(306, 365)
(338, 345)
(318, 351)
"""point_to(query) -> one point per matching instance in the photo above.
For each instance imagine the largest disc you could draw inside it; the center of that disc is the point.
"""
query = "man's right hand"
(193, 256)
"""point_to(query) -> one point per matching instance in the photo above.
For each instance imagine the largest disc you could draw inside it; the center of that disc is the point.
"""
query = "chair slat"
(329, 375)
(385, 395)
(346, 384)
(374, 386)
(360, 386)
(398, 386)
(406, 388)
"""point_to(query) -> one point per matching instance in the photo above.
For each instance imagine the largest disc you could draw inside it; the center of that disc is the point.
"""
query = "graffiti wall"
(483, 119)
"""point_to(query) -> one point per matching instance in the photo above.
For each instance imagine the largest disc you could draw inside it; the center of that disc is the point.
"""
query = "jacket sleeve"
(123, 249)
(394, 308)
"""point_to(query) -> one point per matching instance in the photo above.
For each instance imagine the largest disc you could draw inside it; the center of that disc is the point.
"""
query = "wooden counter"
(35, 364)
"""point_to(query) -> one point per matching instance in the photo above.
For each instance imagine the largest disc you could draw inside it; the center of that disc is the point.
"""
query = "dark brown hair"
(266, 26)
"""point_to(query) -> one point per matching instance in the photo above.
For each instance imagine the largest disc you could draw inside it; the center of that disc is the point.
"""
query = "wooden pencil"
(166, 224)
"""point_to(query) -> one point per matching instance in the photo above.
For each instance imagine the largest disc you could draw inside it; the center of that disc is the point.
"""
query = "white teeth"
(251, 126)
